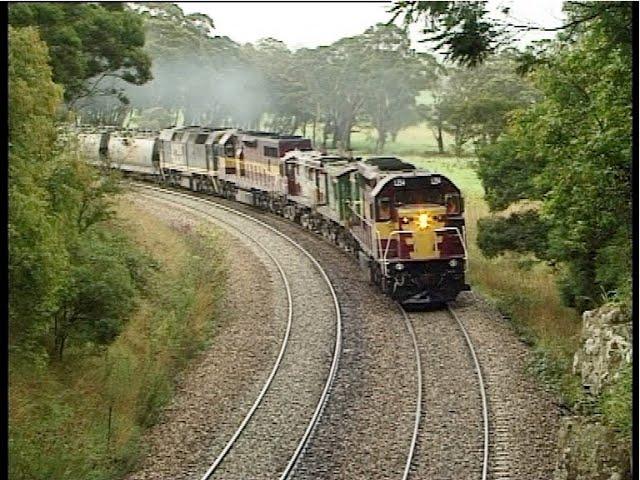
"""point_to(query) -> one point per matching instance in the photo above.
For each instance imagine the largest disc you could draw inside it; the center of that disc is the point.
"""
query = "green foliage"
(509, 167)
(572, 150)
(88, 43)
(394, 74)
(60, 414)
(616, 402)
(71, 280)
(37, 258)
(468, 33)
(462, 29)
(477, 104)
(520, 232)
(105, 275)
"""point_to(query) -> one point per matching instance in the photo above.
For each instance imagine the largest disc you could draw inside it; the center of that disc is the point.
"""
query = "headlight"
(453, 263)
(423, 221)
(399, 266)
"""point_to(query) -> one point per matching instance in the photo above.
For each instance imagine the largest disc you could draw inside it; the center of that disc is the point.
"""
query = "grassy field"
(82, 417)
(524, 291)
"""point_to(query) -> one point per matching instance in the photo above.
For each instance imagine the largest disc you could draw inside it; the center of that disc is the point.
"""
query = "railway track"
(432, 462)
(411, 464)
(232, 219)
(460, 447)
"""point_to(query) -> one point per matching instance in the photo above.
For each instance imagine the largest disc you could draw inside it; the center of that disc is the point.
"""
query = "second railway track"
(275, 430)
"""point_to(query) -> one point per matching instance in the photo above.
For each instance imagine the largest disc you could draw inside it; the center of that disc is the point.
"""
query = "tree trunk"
(336, 135)
(439, 139)
(314, 131)
(458, 140)
(346, 135)
(325, 135)
(382, 139)
(63, 339)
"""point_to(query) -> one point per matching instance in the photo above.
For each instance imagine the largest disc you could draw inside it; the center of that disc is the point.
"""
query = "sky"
(310, 25)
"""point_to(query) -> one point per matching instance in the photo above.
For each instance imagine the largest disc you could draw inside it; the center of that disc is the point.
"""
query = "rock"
(589, 451)
(606, 347)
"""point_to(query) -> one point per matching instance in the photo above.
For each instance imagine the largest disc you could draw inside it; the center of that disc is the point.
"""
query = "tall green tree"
(37, 257)
(476, 104)
(572, 151)
(71, 276)
(88, 44)
(394, 75)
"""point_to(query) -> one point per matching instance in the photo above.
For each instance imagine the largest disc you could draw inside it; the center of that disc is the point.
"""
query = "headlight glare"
(423, 221)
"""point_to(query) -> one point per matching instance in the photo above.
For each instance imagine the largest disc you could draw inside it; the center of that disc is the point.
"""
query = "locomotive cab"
(418, 245)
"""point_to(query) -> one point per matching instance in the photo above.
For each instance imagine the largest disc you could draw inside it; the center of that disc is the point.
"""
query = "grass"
(413, 140)
(83, 417)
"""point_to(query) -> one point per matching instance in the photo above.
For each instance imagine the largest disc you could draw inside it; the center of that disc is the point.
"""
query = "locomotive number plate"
(398, 182)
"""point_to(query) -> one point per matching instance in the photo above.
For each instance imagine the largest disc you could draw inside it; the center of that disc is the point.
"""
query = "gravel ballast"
(273, 433)
(366, 425)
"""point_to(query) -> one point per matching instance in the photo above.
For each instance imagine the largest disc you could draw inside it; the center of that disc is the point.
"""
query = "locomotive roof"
(416, 173)
(313, 157)
(389, 163)
(375, 167)
(270, 135)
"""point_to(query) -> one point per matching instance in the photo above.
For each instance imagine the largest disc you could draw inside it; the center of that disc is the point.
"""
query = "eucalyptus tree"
(477, 104)
(89, 43)
(395, 75)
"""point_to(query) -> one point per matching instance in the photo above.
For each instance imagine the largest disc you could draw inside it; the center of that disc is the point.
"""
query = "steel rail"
(416, 425)
(338, 343)
(485, 408)
(283, 347)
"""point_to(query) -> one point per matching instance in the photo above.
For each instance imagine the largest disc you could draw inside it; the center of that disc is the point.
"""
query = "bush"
(616, 402)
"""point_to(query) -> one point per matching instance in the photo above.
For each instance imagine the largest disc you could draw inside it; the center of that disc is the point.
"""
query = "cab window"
(229, 150)
(452, 202)
(384, 209)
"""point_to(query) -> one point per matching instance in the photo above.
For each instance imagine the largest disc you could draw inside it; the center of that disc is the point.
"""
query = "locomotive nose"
(422, 221)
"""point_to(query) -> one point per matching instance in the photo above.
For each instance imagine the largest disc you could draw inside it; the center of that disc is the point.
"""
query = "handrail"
(385, 260)
(386, 250)
(463, 241)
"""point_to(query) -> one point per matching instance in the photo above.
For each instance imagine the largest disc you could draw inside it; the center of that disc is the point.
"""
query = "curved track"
(210, 473)
(416, 426)
(483, 394)
(411, 458)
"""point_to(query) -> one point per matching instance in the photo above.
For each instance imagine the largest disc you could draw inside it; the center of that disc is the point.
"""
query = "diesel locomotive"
(405, 225)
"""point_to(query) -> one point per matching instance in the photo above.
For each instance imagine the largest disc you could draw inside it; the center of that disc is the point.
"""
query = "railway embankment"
(594, 443)
(82, 416)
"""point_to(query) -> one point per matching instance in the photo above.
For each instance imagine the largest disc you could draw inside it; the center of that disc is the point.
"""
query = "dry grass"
(60, 413)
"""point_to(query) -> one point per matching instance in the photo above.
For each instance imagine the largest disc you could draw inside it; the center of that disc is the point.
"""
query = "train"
(405, 225)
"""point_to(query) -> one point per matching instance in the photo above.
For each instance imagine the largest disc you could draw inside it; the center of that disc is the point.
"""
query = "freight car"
(405, 225)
